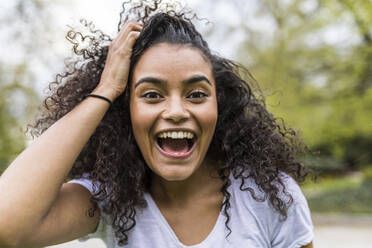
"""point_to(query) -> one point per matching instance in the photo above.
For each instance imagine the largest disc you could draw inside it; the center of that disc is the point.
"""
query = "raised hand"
(114, 77)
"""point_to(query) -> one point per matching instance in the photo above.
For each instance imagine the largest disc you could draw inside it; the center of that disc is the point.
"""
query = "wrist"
(105, 92)
(101, 97)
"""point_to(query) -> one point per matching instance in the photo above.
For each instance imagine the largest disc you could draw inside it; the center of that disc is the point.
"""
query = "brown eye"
(151, 95)
(197, 94)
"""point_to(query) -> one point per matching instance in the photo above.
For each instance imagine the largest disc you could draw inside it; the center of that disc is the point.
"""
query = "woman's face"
(173, 109)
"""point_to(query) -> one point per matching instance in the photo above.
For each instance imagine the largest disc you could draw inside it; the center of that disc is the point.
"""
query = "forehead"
(175, 61)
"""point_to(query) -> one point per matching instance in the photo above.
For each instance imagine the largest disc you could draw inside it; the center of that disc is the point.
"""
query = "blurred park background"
(312, 59)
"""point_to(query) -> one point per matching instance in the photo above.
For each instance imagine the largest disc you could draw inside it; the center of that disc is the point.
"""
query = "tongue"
(175, 145)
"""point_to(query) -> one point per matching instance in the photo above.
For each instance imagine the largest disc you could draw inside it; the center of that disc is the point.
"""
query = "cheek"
(140, 113)
(211, 121)
(208, 117)
(142, 119)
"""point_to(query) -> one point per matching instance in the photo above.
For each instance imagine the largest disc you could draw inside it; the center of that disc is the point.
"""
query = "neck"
(202, 184)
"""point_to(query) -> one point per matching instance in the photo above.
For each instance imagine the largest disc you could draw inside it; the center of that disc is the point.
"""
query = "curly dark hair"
(248, 142)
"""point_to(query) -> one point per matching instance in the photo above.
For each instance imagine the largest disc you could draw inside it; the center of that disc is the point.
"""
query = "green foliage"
(350, 194)
(315, 67)
(10, 143)
(17, 96)
(325, 164)
(15, 106)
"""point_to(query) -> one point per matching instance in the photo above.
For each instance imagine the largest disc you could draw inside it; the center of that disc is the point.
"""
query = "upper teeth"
(176, 135)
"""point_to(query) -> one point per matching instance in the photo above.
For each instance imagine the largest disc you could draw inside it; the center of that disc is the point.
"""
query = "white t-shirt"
(253, 224)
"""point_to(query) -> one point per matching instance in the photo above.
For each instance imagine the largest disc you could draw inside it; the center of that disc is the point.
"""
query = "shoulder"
(104, 229)
(250, 192)
(296, 229)
(290, 187)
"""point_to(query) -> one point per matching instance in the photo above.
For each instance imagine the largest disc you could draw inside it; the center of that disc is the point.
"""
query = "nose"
(175, 110)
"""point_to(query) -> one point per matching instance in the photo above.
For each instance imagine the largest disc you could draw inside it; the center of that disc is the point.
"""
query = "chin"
(179, 174)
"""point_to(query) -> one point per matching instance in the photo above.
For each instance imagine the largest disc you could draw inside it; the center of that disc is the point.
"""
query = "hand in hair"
(114, 77)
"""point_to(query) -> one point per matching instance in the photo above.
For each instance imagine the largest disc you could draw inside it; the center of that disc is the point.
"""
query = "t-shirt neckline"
(154, 208)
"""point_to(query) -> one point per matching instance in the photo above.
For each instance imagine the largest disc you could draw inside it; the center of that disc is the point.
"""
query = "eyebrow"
(193, 79)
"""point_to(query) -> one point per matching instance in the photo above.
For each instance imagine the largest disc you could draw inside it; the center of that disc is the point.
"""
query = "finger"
(129, 22)
(123, 36)
(120, 39)
(127, 45)
(128, 27)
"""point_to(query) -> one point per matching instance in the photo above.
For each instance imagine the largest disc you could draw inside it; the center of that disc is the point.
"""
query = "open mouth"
(176, 144)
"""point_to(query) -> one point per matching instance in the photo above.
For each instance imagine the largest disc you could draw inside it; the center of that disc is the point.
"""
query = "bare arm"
(32, 199)
(31, 183)
(64, 221)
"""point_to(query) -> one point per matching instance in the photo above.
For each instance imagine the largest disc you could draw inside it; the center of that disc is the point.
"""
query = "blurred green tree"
(313, 59)
(23, 27)
(12, 93)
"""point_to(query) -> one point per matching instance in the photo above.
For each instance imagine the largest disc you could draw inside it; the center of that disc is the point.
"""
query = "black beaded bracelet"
(102, 97)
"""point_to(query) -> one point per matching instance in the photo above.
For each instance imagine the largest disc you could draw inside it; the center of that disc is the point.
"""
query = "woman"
(167, 145)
